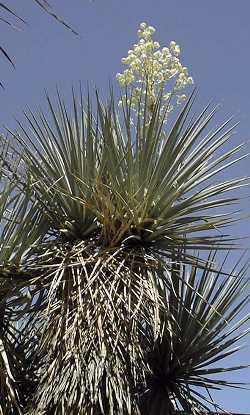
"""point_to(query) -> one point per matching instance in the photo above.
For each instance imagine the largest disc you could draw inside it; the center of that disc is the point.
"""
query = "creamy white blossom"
(149, 65)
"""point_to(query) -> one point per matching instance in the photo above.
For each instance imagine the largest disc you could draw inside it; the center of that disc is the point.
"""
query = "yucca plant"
(117, 314)
(111, 292)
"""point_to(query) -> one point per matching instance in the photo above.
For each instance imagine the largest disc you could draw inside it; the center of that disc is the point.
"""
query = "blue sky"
(215, 40)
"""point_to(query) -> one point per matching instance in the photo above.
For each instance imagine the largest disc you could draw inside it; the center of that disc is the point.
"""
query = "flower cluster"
(152, 68)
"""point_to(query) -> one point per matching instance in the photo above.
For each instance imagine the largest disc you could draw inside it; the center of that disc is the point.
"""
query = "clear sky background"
(215, 40)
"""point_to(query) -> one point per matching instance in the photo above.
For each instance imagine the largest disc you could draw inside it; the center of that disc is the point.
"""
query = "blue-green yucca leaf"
(22, 227)
(46, 6)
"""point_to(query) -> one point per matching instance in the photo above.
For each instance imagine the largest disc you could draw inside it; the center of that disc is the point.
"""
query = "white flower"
(151, 29)
(181, 99)
(172, 44)
(156, 45)
(165, 51)
(157, 54)
(177, 50)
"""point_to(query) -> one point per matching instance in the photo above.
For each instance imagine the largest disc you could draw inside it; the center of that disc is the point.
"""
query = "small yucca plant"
(108, 307)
